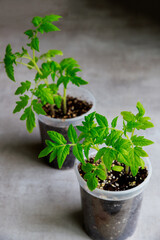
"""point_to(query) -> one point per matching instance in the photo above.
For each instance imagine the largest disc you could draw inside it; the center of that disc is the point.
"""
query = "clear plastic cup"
(61, 125)
(110, 215)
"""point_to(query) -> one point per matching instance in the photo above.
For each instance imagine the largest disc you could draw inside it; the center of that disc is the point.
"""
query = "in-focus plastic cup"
(111, 215)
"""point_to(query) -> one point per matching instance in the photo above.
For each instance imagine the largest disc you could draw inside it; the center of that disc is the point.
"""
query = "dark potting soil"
(75, 108)
(118, 181)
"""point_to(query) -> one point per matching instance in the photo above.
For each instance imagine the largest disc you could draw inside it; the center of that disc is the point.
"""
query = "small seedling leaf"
(72, 135)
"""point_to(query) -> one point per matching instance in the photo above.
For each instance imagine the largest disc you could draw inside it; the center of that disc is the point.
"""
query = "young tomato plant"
(49, 74)
(117, 144)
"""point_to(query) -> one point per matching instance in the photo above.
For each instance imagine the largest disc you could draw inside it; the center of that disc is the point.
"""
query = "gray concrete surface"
(120, 56)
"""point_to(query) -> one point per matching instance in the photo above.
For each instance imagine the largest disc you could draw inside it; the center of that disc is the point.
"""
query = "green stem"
(25, 64)
(96, 148)
(126, 169)
(52, 109)
(104, 167)
(46, 81)
(33, 55)
(34, 62)
(64, 101)
(133, 132)
(35, 88)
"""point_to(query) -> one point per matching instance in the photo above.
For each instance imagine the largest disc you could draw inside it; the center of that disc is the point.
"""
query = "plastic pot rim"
(74, 121)
(115, 195)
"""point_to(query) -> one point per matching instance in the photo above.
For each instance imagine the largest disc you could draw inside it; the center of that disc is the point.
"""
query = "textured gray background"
(119, 52)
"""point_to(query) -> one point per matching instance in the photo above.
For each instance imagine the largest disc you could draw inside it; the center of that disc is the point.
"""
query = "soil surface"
(75, 108)
(118, 181)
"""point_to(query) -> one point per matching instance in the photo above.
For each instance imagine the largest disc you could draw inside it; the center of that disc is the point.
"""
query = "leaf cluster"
(49, 74)
(117, 145)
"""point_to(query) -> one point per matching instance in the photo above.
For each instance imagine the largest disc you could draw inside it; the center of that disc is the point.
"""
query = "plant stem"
(52, 109)
(64, 101)
(133, 132)
(33, 55)
(104, 167)
(34, 62)
(46, 81)
(26, 65)
(96, 148)
(126, 169)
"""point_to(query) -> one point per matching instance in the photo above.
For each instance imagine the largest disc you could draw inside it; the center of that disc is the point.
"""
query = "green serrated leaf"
(49, 143)
(109, 157)
(78, 81)
(99, 134)
(58, 101)
(81, 136)
(117, 168)
(92, 182)
(53, 155)
(82, 129)
(54, 88)
(122, 157)
(74, 71)
(140, 141)
(68, 63)
(113, 137)
(21, 104)
(29, 116)
(128, 116)
(88, 167)
(45, 94)
(47, 27)
(35, 44)
(86, 151)
(77, 151)
(62, 153)
(45, 151)
(51, 18)
(29, 33)
(100, 153)
(46, 70)
(141, 110)
(101, 120)
(142, 163)
(9, 60)
(140, 152)
(134, 162)
(144, 125)
(54, 66)
(90, 117)
(100, 174)
(131, 125)
(36, 21)
(64, 80)
(25, 86)
(37, 107)
(72, 135)
(114, 122)
(88, 175)
(57, 137)
(51, 54)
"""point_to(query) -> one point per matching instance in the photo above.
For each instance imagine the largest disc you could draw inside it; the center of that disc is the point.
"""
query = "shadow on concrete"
(77, 218)
(138, 9)
(20, 148)
(68, 222)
